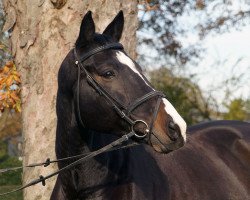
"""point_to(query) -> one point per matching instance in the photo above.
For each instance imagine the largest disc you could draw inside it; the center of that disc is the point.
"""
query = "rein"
(49, 161)
(120, 109)
(104, 149)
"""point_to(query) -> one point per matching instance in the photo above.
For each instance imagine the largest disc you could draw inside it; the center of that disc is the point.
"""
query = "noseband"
(123, 111)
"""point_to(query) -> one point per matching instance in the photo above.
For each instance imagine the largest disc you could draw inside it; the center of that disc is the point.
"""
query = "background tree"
(238, 109)
(164, 32)
(185, 95)
(4, 50)
(9, 88)
(165, 23)
(42, 32)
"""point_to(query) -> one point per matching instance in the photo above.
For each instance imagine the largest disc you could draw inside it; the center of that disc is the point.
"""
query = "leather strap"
(157, 106)
(99, 49)
(142, 99)
(120, 109)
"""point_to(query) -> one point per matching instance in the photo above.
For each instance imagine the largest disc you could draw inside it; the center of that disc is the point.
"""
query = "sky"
(220, 62)
(226, 55)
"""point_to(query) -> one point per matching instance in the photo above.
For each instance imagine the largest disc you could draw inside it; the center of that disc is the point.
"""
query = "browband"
(99, 49)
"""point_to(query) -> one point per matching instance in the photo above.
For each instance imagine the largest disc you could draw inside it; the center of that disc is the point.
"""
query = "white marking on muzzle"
(124, 59)
(169, 108)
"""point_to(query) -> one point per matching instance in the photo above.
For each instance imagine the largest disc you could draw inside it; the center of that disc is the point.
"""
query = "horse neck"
(133, 171)
(73, 140)
(126, 169)
(122, 166)
(116, 161)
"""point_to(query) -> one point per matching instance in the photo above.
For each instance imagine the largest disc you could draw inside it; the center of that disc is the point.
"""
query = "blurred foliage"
(189, 101)
(14, 196)
(185, 96)
(238, 109)
(9, 77)
(160, 29)
(9, 87)
(10, 124)
(164, 22)
(9, 180)
(5, 54)
(161, 23)
(164, 27)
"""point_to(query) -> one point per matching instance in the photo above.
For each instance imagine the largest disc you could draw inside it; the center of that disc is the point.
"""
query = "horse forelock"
(101, 39)
(98, 40)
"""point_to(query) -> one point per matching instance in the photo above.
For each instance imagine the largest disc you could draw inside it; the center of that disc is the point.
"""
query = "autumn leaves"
(10, 87)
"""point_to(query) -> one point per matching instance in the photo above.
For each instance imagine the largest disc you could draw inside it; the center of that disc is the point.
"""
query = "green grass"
(14, 196)
(9, 180)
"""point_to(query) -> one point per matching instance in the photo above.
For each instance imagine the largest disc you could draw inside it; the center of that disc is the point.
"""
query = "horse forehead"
(124, 59)
(127, 61)
(100, 59)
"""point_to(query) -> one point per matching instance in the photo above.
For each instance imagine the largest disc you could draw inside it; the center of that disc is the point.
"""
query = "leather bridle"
(123, 111)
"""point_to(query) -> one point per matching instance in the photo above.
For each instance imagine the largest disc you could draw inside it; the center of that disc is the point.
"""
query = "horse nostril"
(173, 131)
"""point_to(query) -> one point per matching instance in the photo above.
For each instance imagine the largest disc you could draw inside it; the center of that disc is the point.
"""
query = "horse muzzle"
(166, 141)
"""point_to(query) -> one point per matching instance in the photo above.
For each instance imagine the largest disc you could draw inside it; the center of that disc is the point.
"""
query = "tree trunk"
(42, 34)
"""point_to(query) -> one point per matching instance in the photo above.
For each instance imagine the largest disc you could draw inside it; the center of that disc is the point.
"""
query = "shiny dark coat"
(214, 164)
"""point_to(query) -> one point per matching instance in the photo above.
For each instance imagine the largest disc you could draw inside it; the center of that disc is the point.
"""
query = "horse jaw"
(123, 58)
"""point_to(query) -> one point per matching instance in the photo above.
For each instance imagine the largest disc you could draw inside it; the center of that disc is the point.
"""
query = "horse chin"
(161, 149)
(168, 147)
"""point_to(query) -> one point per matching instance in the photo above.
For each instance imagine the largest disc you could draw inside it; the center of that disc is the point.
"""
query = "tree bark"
(42, 33)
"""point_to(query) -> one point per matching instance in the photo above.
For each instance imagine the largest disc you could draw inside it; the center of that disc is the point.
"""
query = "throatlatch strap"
(90, 79)
(78, 97)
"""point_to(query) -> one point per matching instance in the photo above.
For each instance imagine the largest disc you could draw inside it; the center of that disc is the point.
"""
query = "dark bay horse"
(102, 95)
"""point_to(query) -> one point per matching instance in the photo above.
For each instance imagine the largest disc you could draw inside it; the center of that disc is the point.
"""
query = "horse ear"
(115, 28)
(87, 30)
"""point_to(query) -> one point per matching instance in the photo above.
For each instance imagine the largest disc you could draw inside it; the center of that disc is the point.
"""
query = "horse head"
(110, 94)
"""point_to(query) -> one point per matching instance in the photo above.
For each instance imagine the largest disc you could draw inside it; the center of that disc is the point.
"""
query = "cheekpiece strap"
(99, 49)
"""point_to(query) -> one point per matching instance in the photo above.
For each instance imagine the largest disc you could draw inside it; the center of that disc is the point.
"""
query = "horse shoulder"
(213, 164)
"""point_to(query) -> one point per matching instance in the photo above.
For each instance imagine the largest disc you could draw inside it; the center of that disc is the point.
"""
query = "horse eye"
(108, 74)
